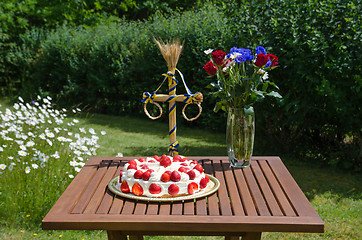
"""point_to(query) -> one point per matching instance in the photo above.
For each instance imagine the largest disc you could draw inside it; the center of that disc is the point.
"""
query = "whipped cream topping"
(155, 177)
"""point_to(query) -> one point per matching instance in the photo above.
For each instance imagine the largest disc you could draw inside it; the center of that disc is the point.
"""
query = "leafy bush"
(319, 45)
(108, 66)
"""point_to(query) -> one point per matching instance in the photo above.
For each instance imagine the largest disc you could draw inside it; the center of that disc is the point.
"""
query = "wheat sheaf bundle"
(171, 51)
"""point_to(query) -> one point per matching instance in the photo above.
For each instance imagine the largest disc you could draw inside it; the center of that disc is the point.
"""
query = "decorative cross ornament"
(171, 54)
(171, 99)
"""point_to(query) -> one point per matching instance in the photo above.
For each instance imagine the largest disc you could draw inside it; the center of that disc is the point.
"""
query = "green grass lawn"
(335, 195)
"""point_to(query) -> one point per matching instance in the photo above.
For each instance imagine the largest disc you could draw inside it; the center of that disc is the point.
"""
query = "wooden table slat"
(189, 207)
(117, 205)
(108, 197)
(176, 208)
(245, 195)
(152, 208)
(291, 188)
(100, 191)
(224, 203)
(233, 190)
(267, 192)
(256, 194)
(212, 200)
(277, 190)
(76, 188)
(91, 188)
(165, 209)
(128, 207)
(201, 208)
(140, 208)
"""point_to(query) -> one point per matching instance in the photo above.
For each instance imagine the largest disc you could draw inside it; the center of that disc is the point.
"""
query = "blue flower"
(259, 50)
(242, 54)
(268, 64)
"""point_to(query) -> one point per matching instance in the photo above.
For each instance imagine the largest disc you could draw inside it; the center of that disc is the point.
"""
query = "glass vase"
(240, 131)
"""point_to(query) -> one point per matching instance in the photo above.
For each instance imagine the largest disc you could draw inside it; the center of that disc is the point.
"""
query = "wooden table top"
(261, 198)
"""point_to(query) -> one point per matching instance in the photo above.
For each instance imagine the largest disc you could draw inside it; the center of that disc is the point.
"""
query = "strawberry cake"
(161, 177)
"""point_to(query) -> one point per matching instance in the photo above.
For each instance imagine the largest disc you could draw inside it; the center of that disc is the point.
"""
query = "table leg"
(252, 236)
(116, 235)
(135, 237)
(232, 237)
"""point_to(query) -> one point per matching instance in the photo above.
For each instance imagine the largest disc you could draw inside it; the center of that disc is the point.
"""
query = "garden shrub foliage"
(109, 64)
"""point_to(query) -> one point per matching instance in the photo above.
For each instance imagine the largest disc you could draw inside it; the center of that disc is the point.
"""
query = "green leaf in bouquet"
(220, 105)
(274, 94)
(273, 84)
(248, 110)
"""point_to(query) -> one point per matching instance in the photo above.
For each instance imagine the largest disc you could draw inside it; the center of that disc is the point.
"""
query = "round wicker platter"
(212, 187)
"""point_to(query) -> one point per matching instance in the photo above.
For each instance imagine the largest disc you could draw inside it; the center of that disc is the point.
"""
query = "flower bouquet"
(242, 80)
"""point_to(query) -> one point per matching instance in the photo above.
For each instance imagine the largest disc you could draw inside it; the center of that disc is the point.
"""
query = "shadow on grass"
(154, 127)
(311, 179)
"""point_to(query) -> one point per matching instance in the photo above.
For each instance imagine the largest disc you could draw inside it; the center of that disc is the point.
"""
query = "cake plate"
(211, 187)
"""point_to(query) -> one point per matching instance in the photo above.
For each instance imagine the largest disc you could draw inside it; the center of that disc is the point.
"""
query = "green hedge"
(318, 44)
(109, 66)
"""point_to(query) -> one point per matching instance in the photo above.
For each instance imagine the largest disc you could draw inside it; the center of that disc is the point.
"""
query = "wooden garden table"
(262, 198)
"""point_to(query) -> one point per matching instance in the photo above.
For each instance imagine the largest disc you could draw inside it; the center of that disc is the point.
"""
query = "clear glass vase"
(240, 131)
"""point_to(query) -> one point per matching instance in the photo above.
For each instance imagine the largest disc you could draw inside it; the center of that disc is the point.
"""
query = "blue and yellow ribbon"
(189, 98)
(173, 147)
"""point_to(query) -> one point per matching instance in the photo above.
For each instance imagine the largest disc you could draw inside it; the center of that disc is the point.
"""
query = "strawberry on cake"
(164, 176)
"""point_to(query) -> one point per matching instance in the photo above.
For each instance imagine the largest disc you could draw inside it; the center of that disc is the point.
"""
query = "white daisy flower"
(42, 136)
(42, 157)
(119, 155)
(42, 164)
(70, 176)
(22, 147)
(75, 120)
(30, 144)
(49, 142)
(35, 166)
(50, 135)
(73, 163)
(22, 153)
(103, 132)
(27, 170)
(1, 149)
(82, 130)
(76, 152)
(77, 169)
(91, 131)
(21, 99)
(2, 166)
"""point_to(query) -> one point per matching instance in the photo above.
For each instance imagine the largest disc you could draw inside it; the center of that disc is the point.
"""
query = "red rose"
(273, 59)
(261, 60)
(210, 68)
(218, 57)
